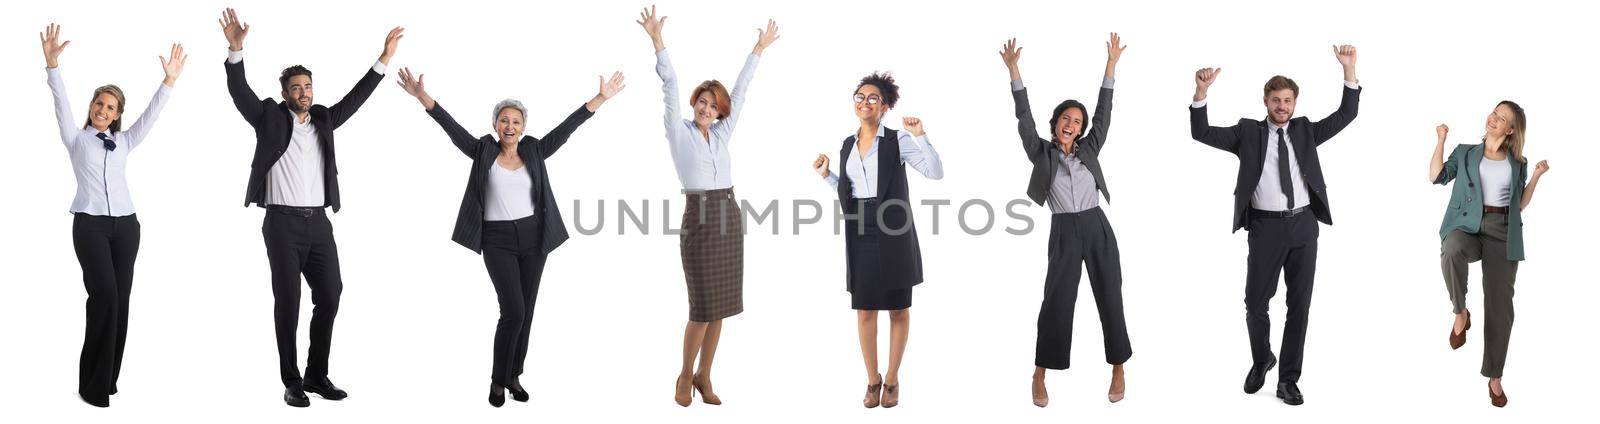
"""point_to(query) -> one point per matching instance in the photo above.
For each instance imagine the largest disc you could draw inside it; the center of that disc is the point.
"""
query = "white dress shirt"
(702, 164)
(101, 173)
(297, 178)
(1269, 193)
(510, 194)
(1496, 176)
(863, 172)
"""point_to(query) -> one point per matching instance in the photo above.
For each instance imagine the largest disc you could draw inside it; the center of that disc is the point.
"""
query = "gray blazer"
(1042, 152)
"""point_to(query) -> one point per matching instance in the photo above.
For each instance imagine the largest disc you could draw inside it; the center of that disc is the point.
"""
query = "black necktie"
(106, 140)
(1283, 169)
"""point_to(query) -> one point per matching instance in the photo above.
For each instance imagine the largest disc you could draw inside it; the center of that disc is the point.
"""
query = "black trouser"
(106, 247)
(1287, 245)
(513, 251)
(300, 241)
(1076, 240)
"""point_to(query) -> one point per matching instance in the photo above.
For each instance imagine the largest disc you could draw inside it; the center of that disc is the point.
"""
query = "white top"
(510, 194)
(101, 173)
(297, 178)
(1269, 194)
(702, 164)
(1496, 176)
(863, 172)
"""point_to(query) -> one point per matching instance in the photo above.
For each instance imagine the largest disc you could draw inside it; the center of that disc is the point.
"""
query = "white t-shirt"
(510, 194)
(1496, 176)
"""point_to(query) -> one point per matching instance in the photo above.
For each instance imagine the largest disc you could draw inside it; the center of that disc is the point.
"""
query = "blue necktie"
(106, 140)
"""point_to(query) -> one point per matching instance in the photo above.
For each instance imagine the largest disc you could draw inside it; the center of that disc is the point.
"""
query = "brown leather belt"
(1494, 209)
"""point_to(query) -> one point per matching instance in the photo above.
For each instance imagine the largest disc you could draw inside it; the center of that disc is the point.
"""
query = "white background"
(414, 331)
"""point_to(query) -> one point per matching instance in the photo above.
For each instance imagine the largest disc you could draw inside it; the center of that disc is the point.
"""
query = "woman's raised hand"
(1010, 54)
(765, 37)
(608, 88)
(652, 26)
(412, 84)
(172, 66)
(50, 39)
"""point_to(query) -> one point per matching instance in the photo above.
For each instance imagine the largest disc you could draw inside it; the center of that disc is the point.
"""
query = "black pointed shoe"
(1290, 393)
(1258, 375)
(324, 388)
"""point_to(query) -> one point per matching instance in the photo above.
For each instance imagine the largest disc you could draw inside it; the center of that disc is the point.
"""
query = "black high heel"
(497, 395)
(517, 392)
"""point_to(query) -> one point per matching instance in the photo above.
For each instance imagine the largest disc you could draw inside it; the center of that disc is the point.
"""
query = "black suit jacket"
(533, 151)
(1248, 141)
(1042, 152)
(271, 121)
(901, 255)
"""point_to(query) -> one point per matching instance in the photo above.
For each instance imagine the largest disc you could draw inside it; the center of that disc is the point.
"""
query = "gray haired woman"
(509, 215)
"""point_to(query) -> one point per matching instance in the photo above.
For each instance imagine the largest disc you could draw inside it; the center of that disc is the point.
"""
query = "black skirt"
(867, 288)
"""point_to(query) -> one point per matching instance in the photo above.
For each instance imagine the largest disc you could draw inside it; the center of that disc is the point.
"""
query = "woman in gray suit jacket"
(1484, 223)
(1067, 178)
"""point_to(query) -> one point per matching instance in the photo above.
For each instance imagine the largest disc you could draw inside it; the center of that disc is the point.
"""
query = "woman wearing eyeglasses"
(712, 237)
(105, 230)
(882, 255)
(1484, 223)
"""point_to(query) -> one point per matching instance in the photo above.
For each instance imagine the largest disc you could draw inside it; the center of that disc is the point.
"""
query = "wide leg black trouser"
(300, 241)
(513, 252)
(1076, 240)
(106, 248)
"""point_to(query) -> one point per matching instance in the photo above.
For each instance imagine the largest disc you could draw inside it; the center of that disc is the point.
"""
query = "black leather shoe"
(1290, 393)
(325, 388)
(1258, 376)
(517, 392)
(497, 396)
(296, 397)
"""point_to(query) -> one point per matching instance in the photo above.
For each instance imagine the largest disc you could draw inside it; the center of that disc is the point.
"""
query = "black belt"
(296, 210)
(1257, 213)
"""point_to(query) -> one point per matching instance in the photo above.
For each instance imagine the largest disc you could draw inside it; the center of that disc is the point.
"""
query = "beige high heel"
(684, 395)
(705, 394)
(1041, 396)
(1115, 394)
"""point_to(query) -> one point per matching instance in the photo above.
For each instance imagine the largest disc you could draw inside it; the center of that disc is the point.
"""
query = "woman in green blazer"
(1484, 223)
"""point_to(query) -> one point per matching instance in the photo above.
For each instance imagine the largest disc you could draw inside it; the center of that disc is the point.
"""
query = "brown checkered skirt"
(712, 246)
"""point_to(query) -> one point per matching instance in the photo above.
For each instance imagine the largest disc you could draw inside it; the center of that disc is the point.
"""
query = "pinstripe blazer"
(533, 151)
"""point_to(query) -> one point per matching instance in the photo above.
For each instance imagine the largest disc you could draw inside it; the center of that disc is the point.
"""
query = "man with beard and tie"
(293, 175)
(1279, 197)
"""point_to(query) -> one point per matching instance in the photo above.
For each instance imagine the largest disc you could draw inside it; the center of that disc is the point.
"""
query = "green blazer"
(1466, 197)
